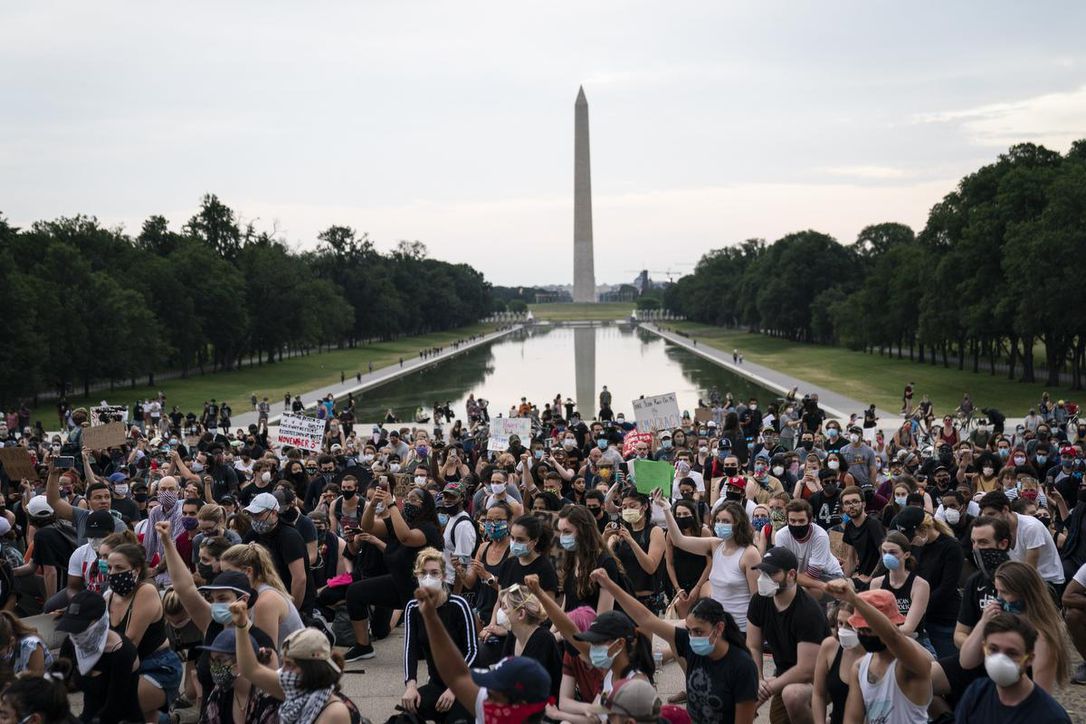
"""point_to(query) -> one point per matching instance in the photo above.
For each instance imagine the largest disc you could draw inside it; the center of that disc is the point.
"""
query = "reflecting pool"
(573, 362)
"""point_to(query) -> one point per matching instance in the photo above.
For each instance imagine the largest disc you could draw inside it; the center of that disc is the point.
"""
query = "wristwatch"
(492, 581)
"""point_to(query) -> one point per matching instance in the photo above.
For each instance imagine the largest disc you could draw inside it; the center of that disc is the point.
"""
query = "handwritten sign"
(104, 436)
(497, 443)
(502, 428)
(17, 463)
(300, 431)
(102, 414)
(629, 443)
(702, 414)
(660, 412)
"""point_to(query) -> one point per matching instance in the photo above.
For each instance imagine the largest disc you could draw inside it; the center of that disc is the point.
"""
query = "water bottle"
(658, 659)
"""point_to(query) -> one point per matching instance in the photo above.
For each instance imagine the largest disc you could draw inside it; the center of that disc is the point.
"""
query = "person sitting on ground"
(233, 698)
(41, 699)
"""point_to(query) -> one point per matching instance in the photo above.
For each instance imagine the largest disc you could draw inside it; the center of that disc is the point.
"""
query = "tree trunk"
(920, 354)
(1027, 359)
(976, 355)
(961, 354)
(1054, 355)
(1012, 358)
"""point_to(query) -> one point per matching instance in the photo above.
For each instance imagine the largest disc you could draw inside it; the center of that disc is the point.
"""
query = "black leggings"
(379, 592)
(429, 692)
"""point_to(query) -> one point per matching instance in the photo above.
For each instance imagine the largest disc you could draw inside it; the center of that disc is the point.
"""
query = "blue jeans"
(942, 638)
(163, 668)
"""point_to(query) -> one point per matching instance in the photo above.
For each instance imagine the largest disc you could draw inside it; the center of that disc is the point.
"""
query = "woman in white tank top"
(891, 684)
(732, 577)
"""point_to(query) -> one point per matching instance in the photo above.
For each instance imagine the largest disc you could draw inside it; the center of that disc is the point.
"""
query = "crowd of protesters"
(815, 567)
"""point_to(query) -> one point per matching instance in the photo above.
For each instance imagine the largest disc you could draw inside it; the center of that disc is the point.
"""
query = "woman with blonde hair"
(939, 562)
(274, 610)
(434, 700)
(1021, 590)
(522, 614)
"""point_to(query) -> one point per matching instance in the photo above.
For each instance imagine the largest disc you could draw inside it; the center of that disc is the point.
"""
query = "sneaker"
(358, 653)
(1079, 677)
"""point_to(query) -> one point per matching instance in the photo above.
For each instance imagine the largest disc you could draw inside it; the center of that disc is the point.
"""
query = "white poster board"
(300, 431)
(114, 413)
(502, 428)
(660, 412)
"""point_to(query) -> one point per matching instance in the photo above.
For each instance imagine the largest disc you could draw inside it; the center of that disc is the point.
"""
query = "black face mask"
(594, 510)
(989, 559)
(807, 444)
(830, 490)
(871, 644)
(799, 532)
(347, 494)
(688, 523)
(290, 514)
(731, 471)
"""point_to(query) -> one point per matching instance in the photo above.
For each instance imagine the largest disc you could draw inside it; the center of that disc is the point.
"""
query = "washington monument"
(584, 272)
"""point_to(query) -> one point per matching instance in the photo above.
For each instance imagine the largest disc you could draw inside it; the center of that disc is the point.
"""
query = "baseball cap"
(99, 524)
(84, 608)
(235, 581)
(39, 505)
(521, 679)
(309, 644)
(908, 520)
(608, 626)
(456, 490)
(118, 477)
(262, 502)
(882, 600)
(5, 526)
(778, 559)
(633, 698)
(226, 642)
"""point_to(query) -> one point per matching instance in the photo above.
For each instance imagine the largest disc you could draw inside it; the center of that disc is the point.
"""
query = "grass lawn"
(605, 312)
(298, 375)
(871, 378)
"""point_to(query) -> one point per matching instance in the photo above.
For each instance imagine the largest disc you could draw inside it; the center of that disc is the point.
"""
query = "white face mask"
(432, 582)
(394, 468)
(766, 586)
(778, 470)
(502, 618)
(952, 516)
(1002, 669)
(569, 443)
(848, 638)
(420, 480)
(497, 488)
(854, 438)
(197, 467)
(265, 477)
(833, 464)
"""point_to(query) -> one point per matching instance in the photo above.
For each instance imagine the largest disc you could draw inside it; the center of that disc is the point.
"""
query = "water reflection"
(536, 364)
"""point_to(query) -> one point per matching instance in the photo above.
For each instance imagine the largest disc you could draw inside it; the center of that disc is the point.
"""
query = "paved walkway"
(369, 380)
(835, 404)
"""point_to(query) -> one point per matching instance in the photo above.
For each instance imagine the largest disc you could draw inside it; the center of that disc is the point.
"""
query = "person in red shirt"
(189, 525)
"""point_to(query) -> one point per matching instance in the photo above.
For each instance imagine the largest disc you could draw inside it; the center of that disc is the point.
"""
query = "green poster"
(652, 474)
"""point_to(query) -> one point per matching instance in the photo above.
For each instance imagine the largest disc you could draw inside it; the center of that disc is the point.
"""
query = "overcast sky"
(452, 122)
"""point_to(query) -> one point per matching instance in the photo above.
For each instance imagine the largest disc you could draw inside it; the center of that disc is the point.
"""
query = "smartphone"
(64, 462)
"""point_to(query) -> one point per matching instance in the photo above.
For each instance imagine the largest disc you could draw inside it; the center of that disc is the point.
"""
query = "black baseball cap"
(84, 608)
(99, 524)
(778, 559)
(235, 581)
(908, 520)
(608, 626)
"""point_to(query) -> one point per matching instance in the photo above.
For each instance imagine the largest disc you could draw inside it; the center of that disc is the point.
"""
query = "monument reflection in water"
(573, 362)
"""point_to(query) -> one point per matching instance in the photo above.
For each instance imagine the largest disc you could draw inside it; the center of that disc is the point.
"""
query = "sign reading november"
(660, 412)
(301, 431)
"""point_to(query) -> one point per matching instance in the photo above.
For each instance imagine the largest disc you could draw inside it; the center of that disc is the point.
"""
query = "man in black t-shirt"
(54, 543)
(991, 538)
(864, 534)
(792, 624)
(286, 546)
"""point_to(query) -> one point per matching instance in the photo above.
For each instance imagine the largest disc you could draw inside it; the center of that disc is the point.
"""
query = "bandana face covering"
(495, 713)
(90, 644)
(301, 706)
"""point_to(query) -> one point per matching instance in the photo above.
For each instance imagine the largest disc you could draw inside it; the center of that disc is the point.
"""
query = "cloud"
(868, 172)
(1053, 119)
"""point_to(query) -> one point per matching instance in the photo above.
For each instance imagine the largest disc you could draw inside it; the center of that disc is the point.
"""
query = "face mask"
(830, 489)
(901, 500)
(777, 517)
(121, 488)
(222, 674)
(723, 531)
(123, 583)
(263, 526)
(1012, 606)
(434, 583)
(420, 481)
(569, 443)
(759, 522)
(538, 454)
(832, 433)
(682, 468)
(197, 467)
(1019, 460)
(665, 444)
(834, 464)
(220, 613)
(1002, 669)
(848, 638)
(767, 587)
(167, 500)
(854, 438)
(1004, 452)
(206, 571)
(265, 477)
(519, 549)
(497, 488)
(599, 657)
(799, 532)
(348, 494)
(568, 541)
(703, 449)
(496, 530)
(411, 511)
(989, 559)
(189, 523)
(759, 471)
(952, 516)
(367, 458)
(872, 644)
(140, 497)
(701, 645)
(687, 522)
(891, 561)
(778, 470)
(631, 516)
(602, 443)
(731, 471)
(502, 618)
(442, 518)
(1042, 459)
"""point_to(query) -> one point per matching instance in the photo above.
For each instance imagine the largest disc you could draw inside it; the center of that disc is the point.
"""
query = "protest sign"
(17, 463)
(660, 412)
(502, 428)
(104, 436)
(300, 431)
(497, 443)
(102, 414)
(702, 414)
(652, 474)
(629, 443)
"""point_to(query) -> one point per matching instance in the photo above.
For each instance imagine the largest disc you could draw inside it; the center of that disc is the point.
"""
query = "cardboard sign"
(497, 443)
(660, 412)
(403, 485)
(17, 463)
(502, 428)
(629, 443)
(104, 436)
(116, 413)
(702, 414)
(300, 431)
(652, 474)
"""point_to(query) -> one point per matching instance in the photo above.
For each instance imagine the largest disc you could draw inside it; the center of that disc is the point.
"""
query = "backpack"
(478, 538)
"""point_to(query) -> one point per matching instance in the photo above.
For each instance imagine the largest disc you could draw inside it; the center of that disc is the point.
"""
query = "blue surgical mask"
(890, 561)
(518, 549)
(602, 442)
(665, 444)
(220, 613)
(597, 654)
(701, 645)
(724, 531)
(442, 518)
(1042, 459)
(901, 500)
(568, 541)
(538, 453)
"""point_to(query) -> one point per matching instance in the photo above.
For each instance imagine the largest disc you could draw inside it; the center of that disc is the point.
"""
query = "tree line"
(85, 303)
(995, 273)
